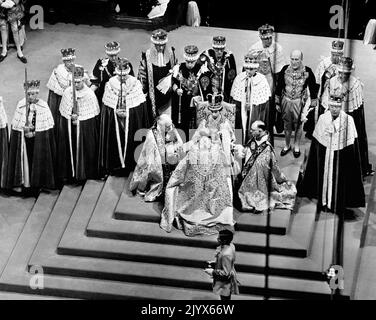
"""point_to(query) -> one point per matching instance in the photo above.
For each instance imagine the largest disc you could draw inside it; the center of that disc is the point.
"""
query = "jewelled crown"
(337, 46)
(251, 59)
(266, 31)
(32, 85)
(219, 42)
(335, 100)
(112, 48)
(68, 54)
(215, 101)
(191, 53)
(122, 66)
(159, 36)
(346, 64)
(79, 73)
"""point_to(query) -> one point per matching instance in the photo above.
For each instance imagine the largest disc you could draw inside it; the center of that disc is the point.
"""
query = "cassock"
(120, 120)
(4, 144)
(334, 143)
(103, 71)
(78, 143)
(252, 98)
(225, 69)
(263, 185)
(199, 193)
(353, 104)
(60, 79)
(155, 68)
(32, 160)
(158, 159)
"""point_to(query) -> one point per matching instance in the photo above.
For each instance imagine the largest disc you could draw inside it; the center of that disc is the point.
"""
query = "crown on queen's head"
(191, 53)
(159, 37)
(215, 101)
(266, 31)
(346, 64)
(112, 48)
(32, 85)
(68, 54)
(338, 46)
(219, 42)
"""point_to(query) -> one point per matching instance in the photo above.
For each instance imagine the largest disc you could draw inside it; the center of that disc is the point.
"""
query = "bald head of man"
(296, 58)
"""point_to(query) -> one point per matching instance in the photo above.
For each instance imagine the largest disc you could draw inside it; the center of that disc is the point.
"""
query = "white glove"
(179, 92)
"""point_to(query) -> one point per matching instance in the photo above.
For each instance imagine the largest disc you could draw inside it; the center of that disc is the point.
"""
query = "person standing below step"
(4, 144)
(222, 269)
(124, 111)
(11, 12)
(251, 94)
(222, 64)
(154, 68)
(351, 89)
(32, 149)
(60, 79)
(78, 133)
(291, 96)
(104, 69)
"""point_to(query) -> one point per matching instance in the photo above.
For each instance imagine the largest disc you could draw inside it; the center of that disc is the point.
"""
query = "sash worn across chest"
(252, 159)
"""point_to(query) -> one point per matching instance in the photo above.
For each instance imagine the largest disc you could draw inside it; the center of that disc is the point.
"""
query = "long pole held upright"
(26, 100)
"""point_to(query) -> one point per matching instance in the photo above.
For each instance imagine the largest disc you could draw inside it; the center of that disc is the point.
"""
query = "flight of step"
(98, 241)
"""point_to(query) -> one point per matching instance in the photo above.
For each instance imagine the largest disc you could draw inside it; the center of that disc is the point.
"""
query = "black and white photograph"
(212, 152)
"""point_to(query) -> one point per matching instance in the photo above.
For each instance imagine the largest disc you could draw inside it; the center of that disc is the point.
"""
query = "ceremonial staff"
(75, 106)
(180, 81)
(29, 128)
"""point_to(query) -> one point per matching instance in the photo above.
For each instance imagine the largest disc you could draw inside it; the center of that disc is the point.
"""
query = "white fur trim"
(87, 104)
(44, 119)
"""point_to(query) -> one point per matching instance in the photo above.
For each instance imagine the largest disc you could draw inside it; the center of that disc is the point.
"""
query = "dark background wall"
(290, 16)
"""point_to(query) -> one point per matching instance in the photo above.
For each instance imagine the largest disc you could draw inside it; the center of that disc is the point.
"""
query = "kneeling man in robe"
(263, 186)
(160, 154)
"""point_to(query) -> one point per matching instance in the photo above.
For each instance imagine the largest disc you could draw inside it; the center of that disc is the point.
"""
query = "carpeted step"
(151, 232)
(74, 242)
(75, 245)
(14, 213)
(175, 276)
(21, 296)
(136, 209)
(14, 272)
